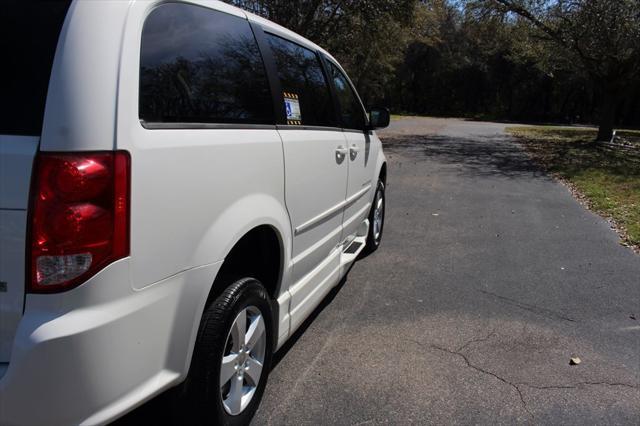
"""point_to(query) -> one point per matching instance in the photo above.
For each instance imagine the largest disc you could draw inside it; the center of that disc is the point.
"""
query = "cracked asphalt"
(489, 278)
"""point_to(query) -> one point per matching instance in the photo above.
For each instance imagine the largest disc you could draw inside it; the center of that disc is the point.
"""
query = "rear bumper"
(90, 365)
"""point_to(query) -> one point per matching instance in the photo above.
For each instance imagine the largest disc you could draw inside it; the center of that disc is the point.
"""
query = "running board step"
(353, 247)
(353, 250)
(356, 245)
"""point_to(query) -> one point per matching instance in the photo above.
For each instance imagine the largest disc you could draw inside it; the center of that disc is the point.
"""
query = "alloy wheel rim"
(242, 360)
(378, 216)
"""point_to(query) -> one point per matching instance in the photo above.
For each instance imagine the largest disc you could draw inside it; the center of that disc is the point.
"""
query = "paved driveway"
(489, 278)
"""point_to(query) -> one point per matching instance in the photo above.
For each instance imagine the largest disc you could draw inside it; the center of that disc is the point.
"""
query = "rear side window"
(306, 92)
(351, 112)
(201, 66)
(29, 32)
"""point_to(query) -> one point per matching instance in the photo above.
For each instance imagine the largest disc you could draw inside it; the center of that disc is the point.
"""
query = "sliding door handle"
(354, 150)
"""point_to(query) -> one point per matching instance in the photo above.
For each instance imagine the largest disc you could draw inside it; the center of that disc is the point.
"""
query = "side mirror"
(379, 118)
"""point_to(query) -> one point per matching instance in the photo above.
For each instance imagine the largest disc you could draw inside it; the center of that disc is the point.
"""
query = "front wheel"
(376, 220)
(231, 359)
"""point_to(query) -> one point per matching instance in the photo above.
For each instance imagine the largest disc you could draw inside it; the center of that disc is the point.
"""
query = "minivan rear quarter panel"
(195, 191)
(80, 113)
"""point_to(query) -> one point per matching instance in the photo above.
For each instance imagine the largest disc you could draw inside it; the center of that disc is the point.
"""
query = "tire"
(203, 400)
(374, 237)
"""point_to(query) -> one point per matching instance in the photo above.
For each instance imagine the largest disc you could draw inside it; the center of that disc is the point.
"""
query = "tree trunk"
(607, 116)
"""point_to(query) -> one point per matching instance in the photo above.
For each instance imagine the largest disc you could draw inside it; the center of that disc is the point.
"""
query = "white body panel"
(16, 158)
(101, 348)
(363, 150)
(96, 352)
(315, 194)
(81, 103)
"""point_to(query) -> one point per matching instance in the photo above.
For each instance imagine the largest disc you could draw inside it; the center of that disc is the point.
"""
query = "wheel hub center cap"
(242, 358)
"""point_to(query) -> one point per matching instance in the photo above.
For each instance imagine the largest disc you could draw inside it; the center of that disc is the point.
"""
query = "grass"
(606, 177)
(629, 133)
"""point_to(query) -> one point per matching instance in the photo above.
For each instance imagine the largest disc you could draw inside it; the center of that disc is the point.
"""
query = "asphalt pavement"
(490, 277)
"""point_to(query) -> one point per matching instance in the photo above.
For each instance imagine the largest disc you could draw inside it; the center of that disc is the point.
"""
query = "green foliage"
(368, 37)
(600, 38)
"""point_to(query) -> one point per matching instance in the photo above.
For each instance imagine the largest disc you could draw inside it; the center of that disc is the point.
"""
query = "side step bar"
(354, 248)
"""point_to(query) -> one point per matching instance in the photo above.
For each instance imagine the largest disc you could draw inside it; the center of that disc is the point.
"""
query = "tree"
(521, 60)
(601, 38)
(368, 37)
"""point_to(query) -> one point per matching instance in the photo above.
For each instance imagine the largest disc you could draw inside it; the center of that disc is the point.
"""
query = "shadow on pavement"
(481, 156)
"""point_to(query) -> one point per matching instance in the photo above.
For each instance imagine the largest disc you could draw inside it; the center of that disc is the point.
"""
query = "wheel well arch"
(260, 254)
(383, 173)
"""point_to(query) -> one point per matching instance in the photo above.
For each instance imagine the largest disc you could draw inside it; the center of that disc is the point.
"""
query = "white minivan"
(181, 183)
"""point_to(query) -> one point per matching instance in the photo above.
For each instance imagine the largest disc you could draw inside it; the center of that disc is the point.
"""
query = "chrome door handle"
(341, 151)
(354, 149)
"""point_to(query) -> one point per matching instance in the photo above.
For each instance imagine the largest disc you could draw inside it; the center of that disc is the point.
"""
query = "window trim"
(269, 61)
(332, 90)
(179, 125)
(303, 127)
(365, 129)
(257, 32)
(320, 57)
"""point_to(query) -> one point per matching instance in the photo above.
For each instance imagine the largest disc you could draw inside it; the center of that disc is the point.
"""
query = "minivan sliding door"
(361, 159)
(316, 166)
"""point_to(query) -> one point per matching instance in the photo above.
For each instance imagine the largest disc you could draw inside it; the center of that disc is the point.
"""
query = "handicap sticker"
(292, 106)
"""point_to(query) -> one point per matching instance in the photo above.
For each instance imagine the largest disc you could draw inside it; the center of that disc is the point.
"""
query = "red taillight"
(79, 217)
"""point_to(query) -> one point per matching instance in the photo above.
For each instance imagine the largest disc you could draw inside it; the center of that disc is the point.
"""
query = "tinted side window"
(351, 112)
(29, 33)
(306, 92)
(201, 66)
